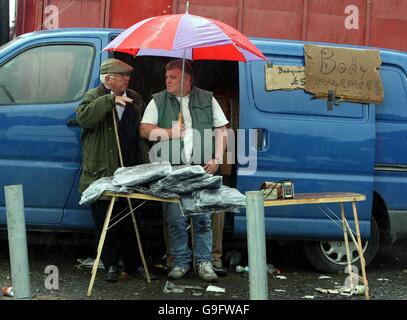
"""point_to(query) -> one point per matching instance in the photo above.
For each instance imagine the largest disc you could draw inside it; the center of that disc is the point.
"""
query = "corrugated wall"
(380, 23)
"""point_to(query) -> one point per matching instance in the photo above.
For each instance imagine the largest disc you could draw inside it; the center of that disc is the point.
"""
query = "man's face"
(173, 79)
(118, 83)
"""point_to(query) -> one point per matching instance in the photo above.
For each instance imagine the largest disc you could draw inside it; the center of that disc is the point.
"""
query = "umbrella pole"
(182, 90)
(140, 248)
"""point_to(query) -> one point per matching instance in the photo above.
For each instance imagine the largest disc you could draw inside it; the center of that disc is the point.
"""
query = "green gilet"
(200, 107)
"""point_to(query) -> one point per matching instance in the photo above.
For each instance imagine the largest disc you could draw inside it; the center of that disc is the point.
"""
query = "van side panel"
(320, 150)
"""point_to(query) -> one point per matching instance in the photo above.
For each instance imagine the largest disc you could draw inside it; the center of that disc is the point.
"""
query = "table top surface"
(299, 198)
(310, 198)
(140, 196)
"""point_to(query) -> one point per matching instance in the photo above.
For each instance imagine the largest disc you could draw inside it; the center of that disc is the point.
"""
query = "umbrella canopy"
(185, 36)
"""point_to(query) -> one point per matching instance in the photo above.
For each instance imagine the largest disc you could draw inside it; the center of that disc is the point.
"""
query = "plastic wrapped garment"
(208, 201)
(189, 207)
(160, 194)
(206, 181)
(140, 174)
(96, 189)
(178, 174)
(224, 198)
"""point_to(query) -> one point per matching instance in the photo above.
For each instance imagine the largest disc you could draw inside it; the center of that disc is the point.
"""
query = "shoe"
(112, 274)
(177, 272)
(219, 270)
(205, 271)
(142, 273)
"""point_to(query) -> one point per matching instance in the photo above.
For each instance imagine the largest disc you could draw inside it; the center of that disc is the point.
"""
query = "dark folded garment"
(208, 201)
(206, 181)
(178, 174)
(160, 194)
(96, 189)
(224, 197)
(189, 206)
(140, 174)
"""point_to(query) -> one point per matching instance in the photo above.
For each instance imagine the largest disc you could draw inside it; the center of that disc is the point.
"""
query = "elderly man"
(186, 144)
(101, 158)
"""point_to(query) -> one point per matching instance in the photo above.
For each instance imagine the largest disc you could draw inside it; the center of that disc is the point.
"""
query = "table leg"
(140, 247)
(100, 246)
(360, 250)
(345, 236)
(191, 223)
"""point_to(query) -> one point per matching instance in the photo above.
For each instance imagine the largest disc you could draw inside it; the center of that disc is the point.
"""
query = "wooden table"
(300, 198)
(338, 197)
(114, 196)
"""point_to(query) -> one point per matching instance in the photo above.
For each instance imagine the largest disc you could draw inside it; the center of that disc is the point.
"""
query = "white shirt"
(119, 107)
(219, 120)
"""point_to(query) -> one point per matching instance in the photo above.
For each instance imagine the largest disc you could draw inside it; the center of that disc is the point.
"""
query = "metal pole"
(17, 241)
(256, 245)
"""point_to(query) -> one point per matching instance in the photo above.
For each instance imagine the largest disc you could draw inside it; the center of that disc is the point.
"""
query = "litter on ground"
(171, 287)
(215, 289)
(321, 290)
(88, 263)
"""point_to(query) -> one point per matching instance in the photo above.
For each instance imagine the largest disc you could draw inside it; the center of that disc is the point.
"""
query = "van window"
(46, 74)
(394, 106)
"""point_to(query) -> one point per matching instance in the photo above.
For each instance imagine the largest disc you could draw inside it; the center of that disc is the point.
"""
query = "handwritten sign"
(285, 77)
(351, 73)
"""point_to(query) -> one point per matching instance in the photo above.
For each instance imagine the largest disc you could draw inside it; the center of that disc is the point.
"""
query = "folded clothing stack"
(201, 193)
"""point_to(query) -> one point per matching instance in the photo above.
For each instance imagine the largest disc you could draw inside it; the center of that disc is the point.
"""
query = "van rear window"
(394, 106)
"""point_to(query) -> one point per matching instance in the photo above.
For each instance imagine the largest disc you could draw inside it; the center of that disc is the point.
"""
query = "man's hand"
(121, 100)
(211, 166)
(177, 131)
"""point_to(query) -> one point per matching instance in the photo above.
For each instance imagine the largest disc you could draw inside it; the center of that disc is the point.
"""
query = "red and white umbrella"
(185, 35)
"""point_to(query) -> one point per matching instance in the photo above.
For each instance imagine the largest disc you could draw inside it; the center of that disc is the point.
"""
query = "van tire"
(316, 252)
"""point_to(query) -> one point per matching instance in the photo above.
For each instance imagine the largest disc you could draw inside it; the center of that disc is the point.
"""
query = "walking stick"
(129, 201)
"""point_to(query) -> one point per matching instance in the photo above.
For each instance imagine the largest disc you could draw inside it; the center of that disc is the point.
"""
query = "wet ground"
(387, 276)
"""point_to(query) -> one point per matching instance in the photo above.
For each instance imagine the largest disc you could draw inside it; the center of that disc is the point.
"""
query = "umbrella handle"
(180, 119)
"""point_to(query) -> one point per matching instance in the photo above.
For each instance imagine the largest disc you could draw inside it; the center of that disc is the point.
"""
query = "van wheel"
(330, 256)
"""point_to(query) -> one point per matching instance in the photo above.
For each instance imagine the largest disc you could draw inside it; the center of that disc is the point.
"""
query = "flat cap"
(112, 66)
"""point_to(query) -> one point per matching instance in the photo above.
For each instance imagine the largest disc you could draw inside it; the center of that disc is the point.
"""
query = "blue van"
(356, 147)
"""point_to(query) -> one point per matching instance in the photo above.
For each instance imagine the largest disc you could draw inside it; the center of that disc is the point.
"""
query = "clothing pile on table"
(200, 192)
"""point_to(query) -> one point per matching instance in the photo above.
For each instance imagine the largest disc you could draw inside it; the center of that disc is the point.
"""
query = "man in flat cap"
(101, 156)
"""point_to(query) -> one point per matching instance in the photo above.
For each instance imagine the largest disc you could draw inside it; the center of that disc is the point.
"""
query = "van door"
(41, 84)
(300, 140)
(391, 142)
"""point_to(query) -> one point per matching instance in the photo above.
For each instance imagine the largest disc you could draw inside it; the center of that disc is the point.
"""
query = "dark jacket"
(99, 147)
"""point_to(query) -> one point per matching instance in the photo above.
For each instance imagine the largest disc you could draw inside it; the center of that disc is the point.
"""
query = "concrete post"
(17, 241)
(256, 245)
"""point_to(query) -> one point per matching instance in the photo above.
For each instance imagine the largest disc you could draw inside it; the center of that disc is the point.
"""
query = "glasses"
(124, 74)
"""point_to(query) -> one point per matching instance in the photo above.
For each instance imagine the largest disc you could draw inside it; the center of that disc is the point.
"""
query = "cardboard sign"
(285, 77)
(351, 73)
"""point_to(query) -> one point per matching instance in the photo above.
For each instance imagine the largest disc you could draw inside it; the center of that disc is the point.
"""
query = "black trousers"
(121, 241)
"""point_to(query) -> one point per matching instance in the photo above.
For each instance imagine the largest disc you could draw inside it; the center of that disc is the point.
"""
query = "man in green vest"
(189, 142)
